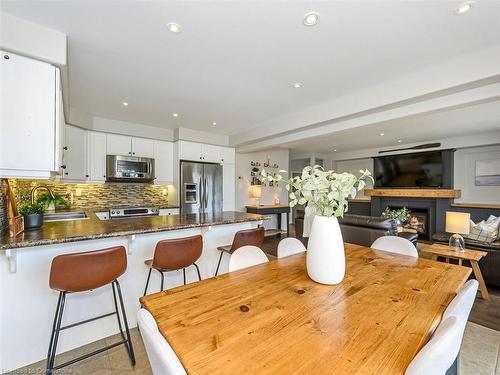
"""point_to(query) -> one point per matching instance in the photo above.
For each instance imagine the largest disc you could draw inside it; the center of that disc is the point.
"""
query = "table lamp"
(256, 192)
(457, 223)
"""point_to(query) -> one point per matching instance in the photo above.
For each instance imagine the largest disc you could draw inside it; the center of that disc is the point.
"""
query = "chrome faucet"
(33, 191)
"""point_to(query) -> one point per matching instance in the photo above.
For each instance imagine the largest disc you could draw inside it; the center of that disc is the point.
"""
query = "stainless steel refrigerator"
(201, 187)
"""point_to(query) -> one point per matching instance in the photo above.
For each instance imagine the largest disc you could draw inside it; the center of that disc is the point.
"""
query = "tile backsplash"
(100, 195)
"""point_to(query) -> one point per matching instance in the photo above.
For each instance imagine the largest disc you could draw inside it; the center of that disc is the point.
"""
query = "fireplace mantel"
(414, 193)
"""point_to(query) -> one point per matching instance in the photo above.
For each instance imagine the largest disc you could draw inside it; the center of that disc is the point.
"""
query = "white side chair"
(461, 306)
(290, 246)
(246, 256)
(161, 356)
(395, 244)
(438, 355)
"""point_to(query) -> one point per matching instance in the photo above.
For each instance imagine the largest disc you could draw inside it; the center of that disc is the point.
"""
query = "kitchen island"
(27, 304)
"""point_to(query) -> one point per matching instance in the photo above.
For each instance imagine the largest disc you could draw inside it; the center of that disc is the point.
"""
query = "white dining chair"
(290, 246)
(438, 355)
(246, 256)
(162, 358)
(461, 306)
(395, 244)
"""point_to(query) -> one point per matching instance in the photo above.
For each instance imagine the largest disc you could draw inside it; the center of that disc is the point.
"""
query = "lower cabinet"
(168, 211)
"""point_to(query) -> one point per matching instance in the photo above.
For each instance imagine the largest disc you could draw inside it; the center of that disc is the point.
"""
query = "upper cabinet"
(205, 153)
(164, 162)
(96, 157)
(31, 120)
(129, 146)
(74, 164)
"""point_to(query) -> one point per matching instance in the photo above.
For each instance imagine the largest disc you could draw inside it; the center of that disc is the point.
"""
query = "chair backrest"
(246, 256)
(395, 244)
(438, 355)
(78, 272)
(461, 306)
(177, 253)
(254, 237)
(289, 246)
(162, 358)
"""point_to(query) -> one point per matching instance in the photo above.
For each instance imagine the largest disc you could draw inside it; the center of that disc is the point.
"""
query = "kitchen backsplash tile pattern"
(100, 195)
(3, 208)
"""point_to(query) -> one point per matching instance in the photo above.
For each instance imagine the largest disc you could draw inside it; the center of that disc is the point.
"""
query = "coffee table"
(473, 256)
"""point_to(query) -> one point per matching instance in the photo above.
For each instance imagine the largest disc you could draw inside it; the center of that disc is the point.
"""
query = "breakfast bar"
(25, 263)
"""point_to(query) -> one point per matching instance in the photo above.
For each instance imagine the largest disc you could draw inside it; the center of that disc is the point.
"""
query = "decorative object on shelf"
(51, 201)
(256, 173)
(400, 216)
(457, 223)
(33, 214)
(15, 220)
(326, 194)
(256, 192)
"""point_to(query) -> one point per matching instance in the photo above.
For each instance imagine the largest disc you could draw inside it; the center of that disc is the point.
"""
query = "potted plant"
(51, 201)
(33, 214)
(400, 216)
(326, 194)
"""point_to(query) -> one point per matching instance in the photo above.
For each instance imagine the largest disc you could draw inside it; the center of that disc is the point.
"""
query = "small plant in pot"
(400, 216)
(326, 194)
(33, 214)
(51, 201)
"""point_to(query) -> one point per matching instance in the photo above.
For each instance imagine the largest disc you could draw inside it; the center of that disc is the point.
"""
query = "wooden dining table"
(273, 319)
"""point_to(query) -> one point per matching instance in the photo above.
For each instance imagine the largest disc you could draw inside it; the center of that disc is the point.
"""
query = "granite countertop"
(93, 228)
(108, 208)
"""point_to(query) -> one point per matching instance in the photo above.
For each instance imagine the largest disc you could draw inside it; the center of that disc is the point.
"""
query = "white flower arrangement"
(325, 192)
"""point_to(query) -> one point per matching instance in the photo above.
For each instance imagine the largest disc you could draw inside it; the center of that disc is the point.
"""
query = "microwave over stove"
(129, 169)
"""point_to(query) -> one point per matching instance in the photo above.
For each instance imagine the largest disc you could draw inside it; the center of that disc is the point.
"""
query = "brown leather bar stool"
(174, 254)
(241, 238)
(82, 272)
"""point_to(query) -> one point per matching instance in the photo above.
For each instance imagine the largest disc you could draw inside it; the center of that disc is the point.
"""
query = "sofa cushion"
(484, 231)
(380, 223)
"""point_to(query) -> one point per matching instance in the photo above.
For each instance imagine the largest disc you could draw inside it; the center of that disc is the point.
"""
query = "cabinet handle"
(63, 166)
(87, 176)
(65, 148)
(6, 57)
(133, 153)
(66, 173)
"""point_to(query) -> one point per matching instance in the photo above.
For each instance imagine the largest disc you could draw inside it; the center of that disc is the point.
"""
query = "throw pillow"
(485, 231)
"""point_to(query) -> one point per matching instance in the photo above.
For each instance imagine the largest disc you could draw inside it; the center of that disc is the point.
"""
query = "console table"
(273, 209)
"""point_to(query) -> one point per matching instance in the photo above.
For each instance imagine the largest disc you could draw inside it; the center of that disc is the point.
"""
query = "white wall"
(464, 170)
(354, 166)
(186, 134)
(132, 129)
(243, 178)
(32, 40)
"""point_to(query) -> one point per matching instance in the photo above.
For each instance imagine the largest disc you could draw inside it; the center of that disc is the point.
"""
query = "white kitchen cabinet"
(204, 152)
(189, 151)
(168, 211)
(211, 153)
(164, 162)
(96, 157)
(29, 101)
(228, 187)
(118, 145)
(227, 155)
(74, 165)
(143, 147)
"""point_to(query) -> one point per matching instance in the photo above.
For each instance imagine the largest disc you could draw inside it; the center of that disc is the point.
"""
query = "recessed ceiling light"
(125, 104)
(174, 27)
(464, 8)
(297, 85)
(334, 150)
(311, 19)
(214, 123)
(400, 140)
(381, 134)
(175, 114)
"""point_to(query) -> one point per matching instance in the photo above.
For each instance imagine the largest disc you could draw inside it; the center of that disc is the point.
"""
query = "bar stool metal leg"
(184, 273)
(147, 281)
(197, 270)
(128, 343)
(218, 264)
(162, 280)
(56, 328)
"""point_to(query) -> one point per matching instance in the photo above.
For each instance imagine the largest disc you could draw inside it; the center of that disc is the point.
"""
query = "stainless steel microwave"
(129, 169)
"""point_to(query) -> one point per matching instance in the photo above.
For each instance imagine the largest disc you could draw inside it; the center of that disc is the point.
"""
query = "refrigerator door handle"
(205, 192)
(200, 188)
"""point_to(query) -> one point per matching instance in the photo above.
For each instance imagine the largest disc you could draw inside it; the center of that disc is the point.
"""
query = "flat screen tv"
(416, 170)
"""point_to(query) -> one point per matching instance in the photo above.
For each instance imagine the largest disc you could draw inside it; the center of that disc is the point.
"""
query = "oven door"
(129, 169)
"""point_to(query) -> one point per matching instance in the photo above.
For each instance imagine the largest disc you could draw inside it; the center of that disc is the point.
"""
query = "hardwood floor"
(487, 313)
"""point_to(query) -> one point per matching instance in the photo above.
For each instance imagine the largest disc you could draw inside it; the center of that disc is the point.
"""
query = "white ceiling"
(475, 119)
(235, 62)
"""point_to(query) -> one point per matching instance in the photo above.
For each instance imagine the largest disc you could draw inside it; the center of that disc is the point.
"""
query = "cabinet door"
(228, 155)
(27, 115)
(169, 211)
(164, 162)
(96, 157)
(75, 152)
(190, 151)
(118, 145)
(228, 186)
(211, 153)
(143, 147)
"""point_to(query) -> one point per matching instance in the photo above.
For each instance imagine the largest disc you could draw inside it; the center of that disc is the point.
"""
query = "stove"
(120, 213)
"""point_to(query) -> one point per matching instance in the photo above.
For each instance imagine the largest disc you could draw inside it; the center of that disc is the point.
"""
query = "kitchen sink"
(65, 216)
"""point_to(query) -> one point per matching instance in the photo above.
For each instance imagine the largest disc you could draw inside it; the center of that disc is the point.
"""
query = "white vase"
(325, 251)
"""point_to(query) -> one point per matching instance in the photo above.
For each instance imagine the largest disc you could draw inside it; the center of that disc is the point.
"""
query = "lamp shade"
(458, 222)
(256, 191)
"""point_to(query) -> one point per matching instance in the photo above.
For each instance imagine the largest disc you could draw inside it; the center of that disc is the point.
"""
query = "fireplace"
(418, 222)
